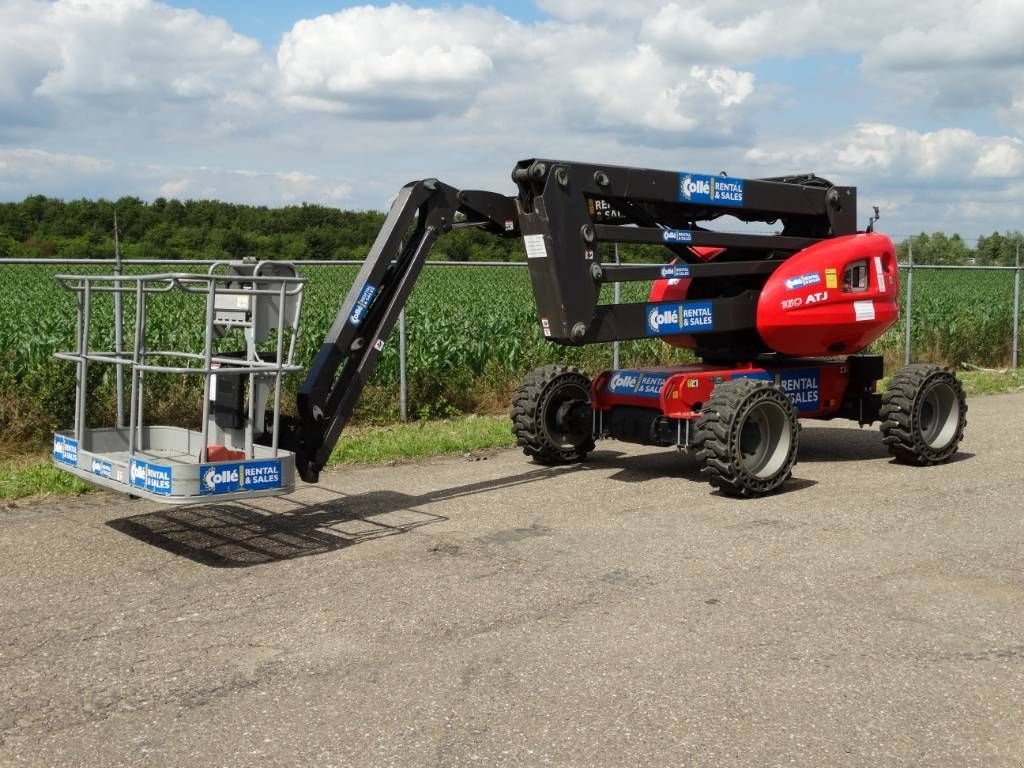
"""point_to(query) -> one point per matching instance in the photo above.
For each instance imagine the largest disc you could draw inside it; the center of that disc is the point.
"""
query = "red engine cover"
(835, 297)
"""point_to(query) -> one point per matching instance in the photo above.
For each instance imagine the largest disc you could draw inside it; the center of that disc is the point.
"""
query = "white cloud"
(392, 61)
(137, 49)
(950, 179)
(950, 55)
(674, 105)
(949, 153)
(979, 33)
(397, 63)
(580, 10)
(736, 32)
(35, 165)
(176, 188)
(889, 151)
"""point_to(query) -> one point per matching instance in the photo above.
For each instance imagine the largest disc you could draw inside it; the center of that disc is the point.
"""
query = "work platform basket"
(234, 453)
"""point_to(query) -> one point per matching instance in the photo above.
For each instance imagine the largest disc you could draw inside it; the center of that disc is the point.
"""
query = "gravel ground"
(492, 612)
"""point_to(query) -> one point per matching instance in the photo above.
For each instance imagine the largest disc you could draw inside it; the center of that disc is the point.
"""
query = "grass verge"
(32, 475)
(398, 442)
(25, 476)
(992, 382)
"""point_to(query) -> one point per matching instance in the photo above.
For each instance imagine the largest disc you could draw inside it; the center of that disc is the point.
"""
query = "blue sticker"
(686, 317)
(803, 385)
(219, 478)
(675, 271)
(803, 281)
(714, 190)
(102, 468)
(636, 383)
(362, 304)
(65, 450)
(259, 475)
(137, 473)
(676, 236)
(154, 478)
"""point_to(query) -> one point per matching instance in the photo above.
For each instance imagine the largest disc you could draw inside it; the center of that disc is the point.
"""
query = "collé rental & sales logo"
(687, 317)
(65, 450)
(102, 468)
(362, 304)
(803, 281)
(636, 383)
(256, 475)
(154, 478)
(714, 190)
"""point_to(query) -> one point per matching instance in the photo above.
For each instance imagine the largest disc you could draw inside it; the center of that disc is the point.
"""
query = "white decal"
(865, 310)
(535, 247)
(880, 274)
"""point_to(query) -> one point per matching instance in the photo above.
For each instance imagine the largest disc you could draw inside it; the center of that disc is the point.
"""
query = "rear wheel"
(924, 414)
(551, 415)
(747, 436)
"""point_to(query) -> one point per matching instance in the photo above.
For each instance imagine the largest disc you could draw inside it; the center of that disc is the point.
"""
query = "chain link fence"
(469, 330)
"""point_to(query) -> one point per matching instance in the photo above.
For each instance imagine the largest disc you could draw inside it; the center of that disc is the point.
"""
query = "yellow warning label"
(830, 279)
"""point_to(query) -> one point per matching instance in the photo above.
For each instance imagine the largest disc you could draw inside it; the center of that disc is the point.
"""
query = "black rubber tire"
(907, 410)
(720, 437)
(542, 390)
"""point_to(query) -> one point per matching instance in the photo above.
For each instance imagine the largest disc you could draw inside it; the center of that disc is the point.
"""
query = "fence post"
(403, 394)
(1016, 308)
(617, 288)
(907, 307)
(118, 327)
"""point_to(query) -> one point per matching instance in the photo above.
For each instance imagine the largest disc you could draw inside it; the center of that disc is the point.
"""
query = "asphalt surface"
(492, 612)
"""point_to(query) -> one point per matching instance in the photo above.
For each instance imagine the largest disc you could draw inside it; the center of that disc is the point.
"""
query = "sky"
(920, 104)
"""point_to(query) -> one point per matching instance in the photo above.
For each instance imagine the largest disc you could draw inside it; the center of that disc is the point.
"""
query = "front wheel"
(551, 415)
(924, 414)
(747, 435)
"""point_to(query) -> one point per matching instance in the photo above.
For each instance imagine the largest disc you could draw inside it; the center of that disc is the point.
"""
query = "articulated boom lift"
(778, 321)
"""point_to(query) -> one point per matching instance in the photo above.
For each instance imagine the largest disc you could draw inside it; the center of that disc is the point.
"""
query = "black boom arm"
(348, 355)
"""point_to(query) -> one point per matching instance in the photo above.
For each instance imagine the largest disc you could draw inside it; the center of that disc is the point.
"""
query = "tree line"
(209, 229)
(938, 248)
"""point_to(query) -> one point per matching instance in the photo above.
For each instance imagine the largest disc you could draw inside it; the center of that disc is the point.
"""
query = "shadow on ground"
(841, 444)
(849, 444)
(240, 534)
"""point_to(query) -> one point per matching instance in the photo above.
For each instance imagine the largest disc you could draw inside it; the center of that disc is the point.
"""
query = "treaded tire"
(730, 423)
(541, 392)
(924, 414)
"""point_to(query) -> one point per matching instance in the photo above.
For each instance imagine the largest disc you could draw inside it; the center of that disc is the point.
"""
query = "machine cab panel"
(832, 298)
